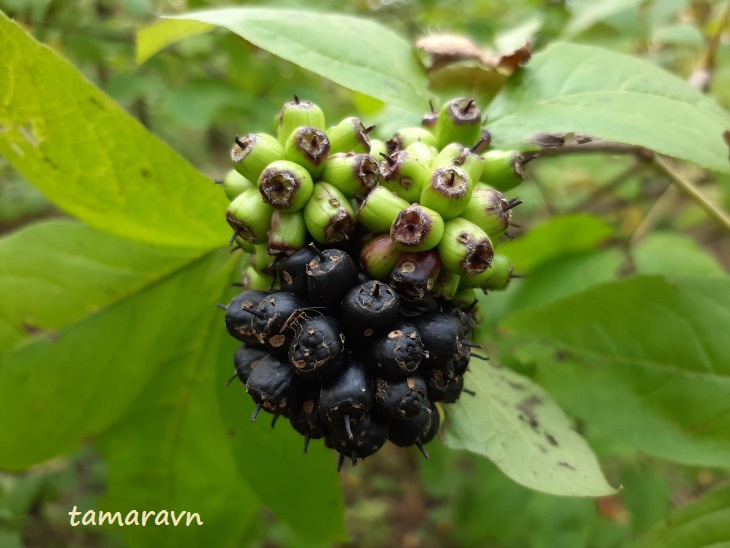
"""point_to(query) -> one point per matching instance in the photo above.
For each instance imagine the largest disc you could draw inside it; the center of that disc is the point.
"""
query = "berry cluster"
(358, 302)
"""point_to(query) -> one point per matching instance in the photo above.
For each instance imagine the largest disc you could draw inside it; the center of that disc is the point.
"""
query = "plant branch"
(703, 76)
(685, 185)
(589, 146)
(585, 145)
(658, 210)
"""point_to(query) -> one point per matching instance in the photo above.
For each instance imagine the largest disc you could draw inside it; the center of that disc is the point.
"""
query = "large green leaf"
(571, 88)
(644, 359)
(92, 159)
(673, 254)
(560, 235)
(705, 522)
(518, 426)
(171, 450)
(75, 382)
(58, 272)
(356, 53)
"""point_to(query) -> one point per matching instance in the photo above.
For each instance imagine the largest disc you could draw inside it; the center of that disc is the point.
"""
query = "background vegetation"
(622, 316)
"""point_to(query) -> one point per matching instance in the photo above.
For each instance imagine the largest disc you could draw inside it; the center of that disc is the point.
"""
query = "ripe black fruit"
(444, 386)
(277, 318)
(368, 308)
(411, 431)
(329, 275)
(348, 393)
(305, 419)
(363, 438)
(292, 271)
(239, 321)
(397, 354)
(441, 334)
(269, 384)
(402, 399)
(245, 360)
(317, 348)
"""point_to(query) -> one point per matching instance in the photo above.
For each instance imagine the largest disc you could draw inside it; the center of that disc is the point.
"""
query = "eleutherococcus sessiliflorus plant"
(358, 303)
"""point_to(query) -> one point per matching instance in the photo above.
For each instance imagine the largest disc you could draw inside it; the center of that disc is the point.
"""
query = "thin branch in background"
(658, 211)
(544, 194)
(607, 188)
(689, 188)
(702, 78)
(660, 162)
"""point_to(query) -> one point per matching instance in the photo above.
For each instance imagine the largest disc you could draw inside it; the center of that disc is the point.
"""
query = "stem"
(656, 212)
(661, 163)
(686, 186)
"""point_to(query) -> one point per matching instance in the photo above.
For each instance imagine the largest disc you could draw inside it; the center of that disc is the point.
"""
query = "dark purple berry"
(329, 275)
(292, 273)
(402, 399)
(269, 384)
(369, 308)
(397, 354)
(348, 392)
(317, 348)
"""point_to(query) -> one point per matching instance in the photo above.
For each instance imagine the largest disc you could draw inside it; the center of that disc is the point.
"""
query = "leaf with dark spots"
(509, 421)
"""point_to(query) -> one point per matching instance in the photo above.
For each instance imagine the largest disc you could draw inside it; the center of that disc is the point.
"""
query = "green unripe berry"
(250, 217)
(465, 249)
(502, 267)
(234, 184)
(407, 136)
(447, 285)
(308, 147)
(424, 153)
(459, 121)
(476, 281)
(490, 210)
(351, 173)
(379, 256)
(288, 233)
(296, 114)
(328, 215)
(377, 148)
(415, 274)
(350, 135)
(448, 191)
(456, 154)
(262, 261)
(253, 279)
(379, 209)
(405, 175)
(500, 169)
(251, 154)
(417, 228)
(285, 185)
(246, 247)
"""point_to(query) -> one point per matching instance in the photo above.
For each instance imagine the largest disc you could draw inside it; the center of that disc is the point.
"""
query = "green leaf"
(571, 88)
(356, 53)
(518, 426)
(643, 359)
(557, 236)
(673, 254)
(705, 522)
(90, 271)
(302, 489)
(75, 382)
(92, 159)
(565, 275)
(171, 449)
(585, 15)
